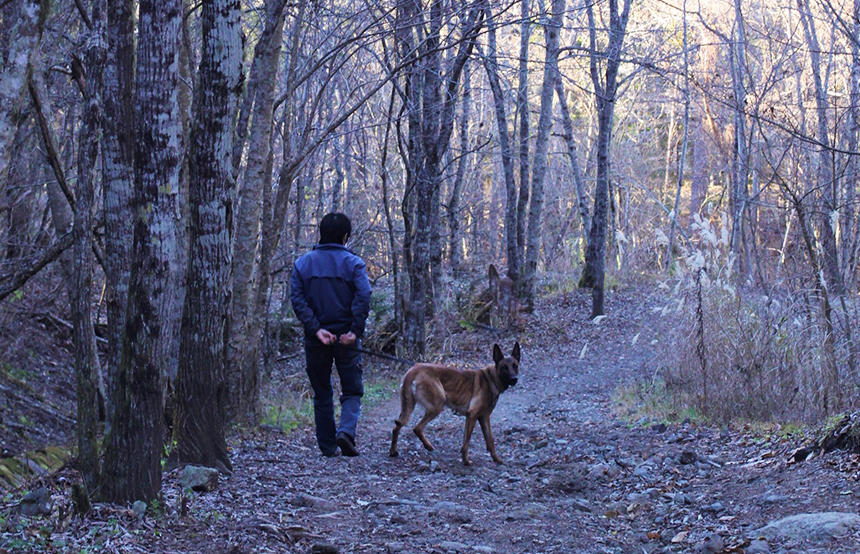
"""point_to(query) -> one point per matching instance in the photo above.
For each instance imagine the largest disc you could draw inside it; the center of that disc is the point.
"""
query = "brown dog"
(472, 393)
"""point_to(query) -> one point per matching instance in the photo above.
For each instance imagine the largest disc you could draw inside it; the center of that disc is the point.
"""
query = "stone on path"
(757, 546)
(324, 548)
(814, 526)
(199, 478)
(36, 503)
(139, 507)
(452, 511)
(311, 501)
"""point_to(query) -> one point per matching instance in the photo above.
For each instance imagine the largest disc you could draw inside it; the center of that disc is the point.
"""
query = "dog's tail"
(407, 399)
(407, 404)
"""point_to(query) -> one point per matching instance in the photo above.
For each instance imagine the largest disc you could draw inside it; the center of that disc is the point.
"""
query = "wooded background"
(163, 162)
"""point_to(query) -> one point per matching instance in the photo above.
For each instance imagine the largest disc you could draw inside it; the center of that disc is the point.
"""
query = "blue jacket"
(329, 290)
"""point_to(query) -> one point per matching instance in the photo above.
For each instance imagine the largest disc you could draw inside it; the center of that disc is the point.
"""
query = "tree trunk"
(851, 226)
(133, 456)
(605, 91)
(740, 153)
(827, 183)
(118, 158)
(201, 386)
(550, 76)
(682, 154)
(431, 119)
(699, 179)
(26, 33)
(576, 169)
(241, 365)
(492, 67)
(454, 253)
(86, 355)
(515, 272)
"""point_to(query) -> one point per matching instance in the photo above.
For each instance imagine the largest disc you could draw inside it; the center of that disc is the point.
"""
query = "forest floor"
(584, 470)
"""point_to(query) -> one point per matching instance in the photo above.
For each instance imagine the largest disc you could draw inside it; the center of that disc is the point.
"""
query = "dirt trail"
(575, 477)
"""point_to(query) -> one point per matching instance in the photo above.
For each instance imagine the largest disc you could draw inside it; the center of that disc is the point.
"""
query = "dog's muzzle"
(510, 381)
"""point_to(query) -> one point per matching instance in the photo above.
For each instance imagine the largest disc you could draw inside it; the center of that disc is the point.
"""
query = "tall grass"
(737, 353)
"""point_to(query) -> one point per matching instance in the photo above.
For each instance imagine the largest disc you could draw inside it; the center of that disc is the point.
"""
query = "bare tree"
(605, 89)
(552, 28)
(491, 65)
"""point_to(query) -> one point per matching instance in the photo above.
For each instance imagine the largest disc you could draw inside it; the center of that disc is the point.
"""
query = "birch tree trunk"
(201, 385)
(550, 75)
(133, 456)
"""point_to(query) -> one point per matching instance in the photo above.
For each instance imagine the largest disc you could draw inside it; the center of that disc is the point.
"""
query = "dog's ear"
(497, 354)
(515, 353)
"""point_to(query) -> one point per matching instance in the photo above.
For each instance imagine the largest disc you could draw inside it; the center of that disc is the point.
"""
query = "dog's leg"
(470, 426)
(394, 434)
(488, 437)
(407, 404)
(429, 415)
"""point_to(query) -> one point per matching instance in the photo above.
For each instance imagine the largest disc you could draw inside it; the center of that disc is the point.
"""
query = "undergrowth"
(736, 354)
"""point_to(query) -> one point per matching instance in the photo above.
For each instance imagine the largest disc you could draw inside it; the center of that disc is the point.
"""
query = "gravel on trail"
(576, 476)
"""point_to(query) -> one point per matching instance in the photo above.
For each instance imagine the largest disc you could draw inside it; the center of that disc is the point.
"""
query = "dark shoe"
(333, 454)
(346, 444)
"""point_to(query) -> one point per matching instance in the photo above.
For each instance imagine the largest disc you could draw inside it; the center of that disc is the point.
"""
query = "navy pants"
(348, 362)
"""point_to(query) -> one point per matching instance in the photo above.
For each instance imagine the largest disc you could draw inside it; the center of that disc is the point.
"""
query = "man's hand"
(325, 337)
(348, 338)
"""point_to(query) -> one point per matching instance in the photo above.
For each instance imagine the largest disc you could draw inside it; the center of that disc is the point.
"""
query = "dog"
(472, 393)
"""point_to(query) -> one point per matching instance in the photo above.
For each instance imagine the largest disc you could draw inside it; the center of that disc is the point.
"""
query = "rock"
(687, 457)
(814, 526)
(711, 545)
(580, 504)
(716, 507)
(199, 478)
(598, 472)
(451, 546)
(566, 484)
(310, 501)
(139, 507)
(680, 498)
(643, 472)
(324, 548)
(396, 546)
(452, 511)
(36, 503)
(398, 519)
(773, 498)
(434, 466)
(757, 546)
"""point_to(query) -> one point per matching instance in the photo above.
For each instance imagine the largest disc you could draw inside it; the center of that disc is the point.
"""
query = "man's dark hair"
(334, 227)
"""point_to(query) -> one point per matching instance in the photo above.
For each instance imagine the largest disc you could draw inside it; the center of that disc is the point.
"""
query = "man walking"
(331, 297)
